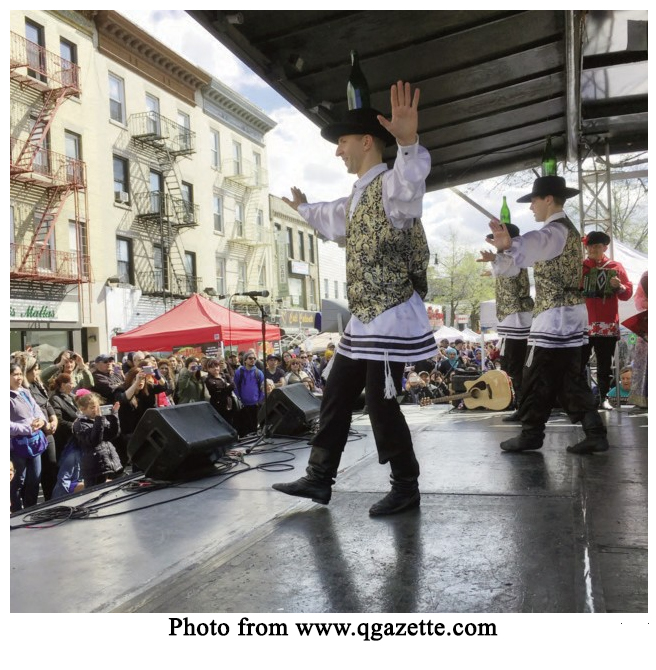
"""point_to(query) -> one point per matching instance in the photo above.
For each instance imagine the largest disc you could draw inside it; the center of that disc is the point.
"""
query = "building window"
(326, 289)
(236, 157)
(121, 180)
(311, 248)
(68, 53)
(220, 264)
(116, 98)
(154, 122)
(73, 148)
(156, 183)
(78, 243)
(313, 293)
(160, 267)
(215, 149)
(184, 131)
(257, 161)
(190, 272)
(336, 287)
(241, 276)
(260, 225)
(239, 220)
(301, 246)
(124, 263)
(344, 289)
(41, 162)
(261, 280)
(217, 208)
(290, 243)
(36, 52)
(44, 244)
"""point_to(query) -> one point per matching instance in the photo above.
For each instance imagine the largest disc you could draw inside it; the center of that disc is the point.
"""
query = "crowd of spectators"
(70, 422)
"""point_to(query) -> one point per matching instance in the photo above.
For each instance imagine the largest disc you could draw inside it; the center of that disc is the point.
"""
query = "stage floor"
(541, 531)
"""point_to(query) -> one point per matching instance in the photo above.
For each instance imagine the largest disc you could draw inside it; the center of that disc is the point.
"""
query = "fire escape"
(251, 236)
(53, 178)
(162, 214)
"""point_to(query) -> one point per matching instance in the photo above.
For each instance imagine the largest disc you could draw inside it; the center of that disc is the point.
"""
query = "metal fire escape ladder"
(54, 205)
(52, 101)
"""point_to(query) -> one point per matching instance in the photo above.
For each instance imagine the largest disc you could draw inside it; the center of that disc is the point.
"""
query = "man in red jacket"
(604, 282)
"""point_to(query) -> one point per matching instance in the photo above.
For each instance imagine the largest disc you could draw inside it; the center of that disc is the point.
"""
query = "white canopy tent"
(446, 332)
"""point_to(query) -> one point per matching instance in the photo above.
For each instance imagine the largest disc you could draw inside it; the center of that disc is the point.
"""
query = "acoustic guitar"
(492, 390)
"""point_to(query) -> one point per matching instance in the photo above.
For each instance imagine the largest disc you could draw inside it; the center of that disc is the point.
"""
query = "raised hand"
(405, 118)
(298, 198)
(501, 237)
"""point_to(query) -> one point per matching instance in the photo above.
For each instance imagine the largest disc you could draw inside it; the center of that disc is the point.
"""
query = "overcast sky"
(297, 154)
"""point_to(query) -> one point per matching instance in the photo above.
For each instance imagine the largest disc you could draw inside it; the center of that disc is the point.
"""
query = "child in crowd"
(625, 385)
(93, 432)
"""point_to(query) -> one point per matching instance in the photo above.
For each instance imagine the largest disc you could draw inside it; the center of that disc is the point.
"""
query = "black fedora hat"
(544, 186)
(362, 121)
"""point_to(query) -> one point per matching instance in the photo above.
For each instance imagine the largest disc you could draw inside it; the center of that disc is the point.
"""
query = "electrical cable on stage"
(134, 489)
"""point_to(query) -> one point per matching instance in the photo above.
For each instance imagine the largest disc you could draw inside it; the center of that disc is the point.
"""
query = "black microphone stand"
(264, 430)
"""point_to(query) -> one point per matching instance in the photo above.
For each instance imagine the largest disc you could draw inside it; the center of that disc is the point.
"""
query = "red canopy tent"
(197, 320)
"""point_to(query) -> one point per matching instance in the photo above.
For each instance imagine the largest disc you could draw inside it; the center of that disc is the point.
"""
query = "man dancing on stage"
(386, 260)
(559, 329)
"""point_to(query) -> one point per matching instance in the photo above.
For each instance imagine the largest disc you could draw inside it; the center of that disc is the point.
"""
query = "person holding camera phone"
(71, 363)
(143, 385)
(94, 431)
(190, 386)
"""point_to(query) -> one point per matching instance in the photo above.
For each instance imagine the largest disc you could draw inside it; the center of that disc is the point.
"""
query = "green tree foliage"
(457, 281)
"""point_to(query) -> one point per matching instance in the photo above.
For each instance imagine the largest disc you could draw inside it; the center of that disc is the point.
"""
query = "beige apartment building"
(136, 180)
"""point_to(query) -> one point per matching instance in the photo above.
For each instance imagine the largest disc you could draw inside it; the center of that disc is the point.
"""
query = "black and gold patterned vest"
(557, 281)
(513, 294)
(384, 265)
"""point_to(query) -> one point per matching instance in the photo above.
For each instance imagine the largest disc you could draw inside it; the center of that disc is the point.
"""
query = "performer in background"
(386, 260)
(559, 329)
(514, 312)
(604, 283)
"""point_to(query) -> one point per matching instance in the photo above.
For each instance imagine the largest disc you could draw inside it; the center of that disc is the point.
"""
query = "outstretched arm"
(405, 118)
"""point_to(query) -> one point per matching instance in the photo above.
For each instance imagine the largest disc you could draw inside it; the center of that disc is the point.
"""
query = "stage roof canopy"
(493, 83)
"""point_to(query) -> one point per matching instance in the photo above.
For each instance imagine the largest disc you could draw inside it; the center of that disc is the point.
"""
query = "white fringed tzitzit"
(390, 388)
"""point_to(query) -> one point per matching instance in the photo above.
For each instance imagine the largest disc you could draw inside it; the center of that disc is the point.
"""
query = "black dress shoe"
(317, 490)
(520, 443)
(395, 502)
(514, 417)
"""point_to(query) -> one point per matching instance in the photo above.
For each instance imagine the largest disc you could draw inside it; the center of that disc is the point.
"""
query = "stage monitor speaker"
(291, 410)
(180, 442)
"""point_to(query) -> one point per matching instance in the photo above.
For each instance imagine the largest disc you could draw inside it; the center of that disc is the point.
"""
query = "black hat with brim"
(544, 186)
(363, 121)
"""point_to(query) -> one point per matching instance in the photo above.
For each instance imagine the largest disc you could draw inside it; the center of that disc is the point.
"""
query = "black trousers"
(512, 363)
(604, 348)
(246, 420)
(345, 382)
(550, 374)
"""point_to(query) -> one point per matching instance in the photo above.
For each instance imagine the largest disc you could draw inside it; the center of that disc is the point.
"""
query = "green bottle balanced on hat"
(549, 162)
(357, 89)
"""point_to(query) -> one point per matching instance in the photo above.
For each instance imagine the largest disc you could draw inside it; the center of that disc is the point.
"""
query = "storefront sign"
(299, 268)
(292, 319)
(42, 310)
